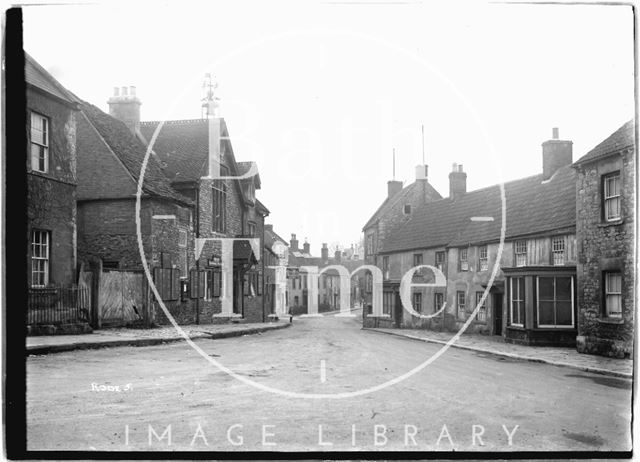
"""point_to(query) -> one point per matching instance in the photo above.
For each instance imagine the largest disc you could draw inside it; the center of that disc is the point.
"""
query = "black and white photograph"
(274, 228)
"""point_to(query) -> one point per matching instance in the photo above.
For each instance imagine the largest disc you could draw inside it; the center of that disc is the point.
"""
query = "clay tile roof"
(131, 152)
(37, 76)
(533, 206)
(182, 146)
(622, 138)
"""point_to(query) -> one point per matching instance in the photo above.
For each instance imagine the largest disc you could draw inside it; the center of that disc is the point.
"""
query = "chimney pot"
(556, 153)
(460, 168)
(393, 187)
(125, 107)
(555, 133)
(132, 91)
(116, 91)
(421, 172)
(125, 91)
(454, 167)
(457, 181)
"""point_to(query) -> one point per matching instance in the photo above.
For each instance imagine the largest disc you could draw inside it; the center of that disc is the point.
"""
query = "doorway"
(497, 314)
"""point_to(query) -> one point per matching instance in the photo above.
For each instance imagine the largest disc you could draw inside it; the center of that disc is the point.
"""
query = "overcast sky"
(320, 93)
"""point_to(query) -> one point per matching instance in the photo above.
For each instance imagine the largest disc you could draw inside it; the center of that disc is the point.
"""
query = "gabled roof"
(271, 237)
(183, 149)
(398, 200)
(243, 167)
(262, 208)
(621, 139)
(37, 76)
(131, 152)
(533, 206)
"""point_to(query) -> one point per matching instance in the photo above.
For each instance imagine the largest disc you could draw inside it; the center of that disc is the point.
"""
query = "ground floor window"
(40, 246)
(388, 302)
(555, 301)
(516, 301)
(461, 298)
(438, 301)
(417, 302)
(482, 312)
(613, 294)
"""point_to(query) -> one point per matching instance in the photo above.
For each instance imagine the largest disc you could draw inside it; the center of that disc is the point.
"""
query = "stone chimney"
(556, 153)
(268, 227)
(324, 253)
(306, 247)
(337, 255)
(293, 243)
(457, 181)
(421, 172)
(393, 187)
(124, 105)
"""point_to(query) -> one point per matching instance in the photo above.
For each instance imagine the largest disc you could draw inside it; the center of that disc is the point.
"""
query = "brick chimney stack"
(324, 253)
(556, 153)
(306, 247)
(457, 181)
(293, 243)
(393, 187)
(124, 105)
(337, 255)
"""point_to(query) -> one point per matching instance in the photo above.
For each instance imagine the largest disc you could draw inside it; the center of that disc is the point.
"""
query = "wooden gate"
(122, 297)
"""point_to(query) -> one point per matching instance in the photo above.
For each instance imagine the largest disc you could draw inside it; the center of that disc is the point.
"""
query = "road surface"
(169, 397)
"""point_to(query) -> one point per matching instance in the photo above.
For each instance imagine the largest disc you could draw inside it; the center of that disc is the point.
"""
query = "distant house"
(276, 255)
(606, 202)
(533, 298)
(225, 208)
(52, 178)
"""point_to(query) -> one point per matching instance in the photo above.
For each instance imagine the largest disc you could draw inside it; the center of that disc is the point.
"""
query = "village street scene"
(452, 271)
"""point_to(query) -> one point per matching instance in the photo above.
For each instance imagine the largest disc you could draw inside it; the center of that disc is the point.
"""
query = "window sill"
(513, 327)
(606, 224)
(614, 321)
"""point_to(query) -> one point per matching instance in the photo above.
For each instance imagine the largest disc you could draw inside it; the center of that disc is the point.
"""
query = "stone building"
(532, 299)
(605, 229)
(51, 178)
(110, 157)
(224, 208)
(276, 258)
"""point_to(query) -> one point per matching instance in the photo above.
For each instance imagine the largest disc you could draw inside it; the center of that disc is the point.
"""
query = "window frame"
(482, 312)
(436, 305)
(521, 298)
(219, 203)
(463, 263)
(416, 300)
(440, 264)
(459, 305)
(44, 145)
(483, 262)
(607, 293)
(556, 251)
(607, 197)
(40, 260)
(406, 209)
(521, 248)
(573, 303)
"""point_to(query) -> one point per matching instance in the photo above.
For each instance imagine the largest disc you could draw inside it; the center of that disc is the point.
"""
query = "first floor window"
(251, 229)
(464, 262)
(613, 295)
(555, 301)
(40, 245)
(482, 312)
(516, 301)
(521, 253)
(462, 304)
(558, 250)
(483, 259)
(219, 203)
(611, 186)
(385, 267)
(39, 135)
(417, 302)
(440, 260)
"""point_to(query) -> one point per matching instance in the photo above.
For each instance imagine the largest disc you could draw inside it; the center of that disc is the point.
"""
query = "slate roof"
(131, 152)
(533, 206)
(622, 138)
(37, 76)
(243, 167)
(396, 200)
(271, 237)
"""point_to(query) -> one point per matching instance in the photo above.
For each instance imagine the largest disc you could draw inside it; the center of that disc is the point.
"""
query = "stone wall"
(603, 247)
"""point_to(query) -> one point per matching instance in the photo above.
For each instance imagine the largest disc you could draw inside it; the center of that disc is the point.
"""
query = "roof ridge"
(172, 122)
(72, 98)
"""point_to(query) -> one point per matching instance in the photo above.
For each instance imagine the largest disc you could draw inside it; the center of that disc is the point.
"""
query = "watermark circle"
(364, 391)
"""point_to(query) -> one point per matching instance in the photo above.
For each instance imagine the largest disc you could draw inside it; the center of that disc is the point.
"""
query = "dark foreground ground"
(129, 398)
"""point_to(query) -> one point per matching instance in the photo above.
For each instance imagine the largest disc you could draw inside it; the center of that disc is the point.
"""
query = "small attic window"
(407, 209)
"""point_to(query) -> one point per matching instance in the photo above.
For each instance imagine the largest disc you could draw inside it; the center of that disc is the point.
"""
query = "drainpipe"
(197, 217)
(263, 256)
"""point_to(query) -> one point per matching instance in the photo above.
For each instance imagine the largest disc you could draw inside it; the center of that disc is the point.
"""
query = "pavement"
(495, 345)
(117, 337)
